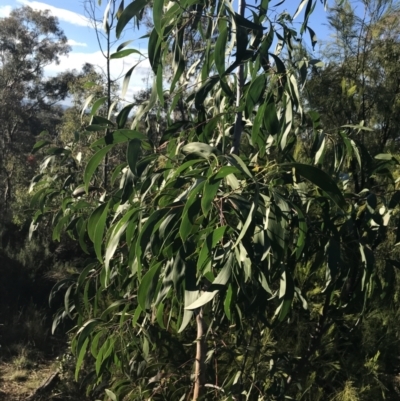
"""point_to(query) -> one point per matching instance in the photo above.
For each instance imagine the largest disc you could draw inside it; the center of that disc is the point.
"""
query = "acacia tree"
(213, 248)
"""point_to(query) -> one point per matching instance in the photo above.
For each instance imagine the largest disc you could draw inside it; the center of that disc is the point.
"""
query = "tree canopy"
(245, 249)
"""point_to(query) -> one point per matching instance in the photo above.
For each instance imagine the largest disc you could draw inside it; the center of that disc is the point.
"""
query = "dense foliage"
(245, 245)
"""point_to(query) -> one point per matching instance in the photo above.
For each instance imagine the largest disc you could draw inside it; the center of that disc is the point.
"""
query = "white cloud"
(76, 60)
(72, 42)
(61, 13)
(5, 11)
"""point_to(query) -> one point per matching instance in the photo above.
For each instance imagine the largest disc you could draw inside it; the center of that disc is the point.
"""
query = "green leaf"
(221, 280)
(123, 44)
(147, 287)
(129, 12)
(190, 211)
(202, 93)
(199, 149)
(334, 261)
(123, 115)
(125, 53)
(111, 395)
(313, 37)
(146, 232)
(256, 90)
(286, 295)
(97, 104)
(220, 47)
(301, 239)
(271, 121)
(246, 224)
(133, 152)
(368, 261)
(86, 104)
(96, 226)
(81, 356)
(116, 233)
(319, 156)
(126, 80)
(85, 331)
(244, 22)
(159, 84)
(383, 156)
(227, 302)
(238, 162)
(209, 192)
(224, 172)
(120, 136)
(93, 163)
(178, 62)
(39, 145)
(299, 8)
(320, 179)
(256, 135)
(158, 6)
(154, 50)
(209, 244)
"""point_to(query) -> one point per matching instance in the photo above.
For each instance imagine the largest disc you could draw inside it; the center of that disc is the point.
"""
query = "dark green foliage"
(279, 254)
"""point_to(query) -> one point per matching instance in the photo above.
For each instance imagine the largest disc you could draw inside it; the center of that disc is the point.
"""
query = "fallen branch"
(46, 386)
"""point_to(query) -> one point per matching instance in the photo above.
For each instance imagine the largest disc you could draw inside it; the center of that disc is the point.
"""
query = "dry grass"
(17, 384)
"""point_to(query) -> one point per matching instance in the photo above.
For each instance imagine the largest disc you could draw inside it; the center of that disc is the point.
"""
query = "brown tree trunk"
(200, 358)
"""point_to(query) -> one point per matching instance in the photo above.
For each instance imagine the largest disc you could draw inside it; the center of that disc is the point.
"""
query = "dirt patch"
(17, 384)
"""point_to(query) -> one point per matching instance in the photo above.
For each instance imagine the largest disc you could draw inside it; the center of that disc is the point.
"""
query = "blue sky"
(82, 38)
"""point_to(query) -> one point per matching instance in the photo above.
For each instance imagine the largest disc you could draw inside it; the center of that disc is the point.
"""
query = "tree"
(361, 80)
(224, 275)
(29, 41)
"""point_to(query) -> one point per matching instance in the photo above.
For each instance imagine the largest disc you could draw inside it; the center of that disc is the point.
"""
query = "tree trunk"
(200, 358)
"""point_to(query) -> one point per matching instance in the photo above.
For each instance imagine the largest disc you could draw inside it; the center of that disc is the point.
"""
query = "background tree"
(29, 41)
(360, 81)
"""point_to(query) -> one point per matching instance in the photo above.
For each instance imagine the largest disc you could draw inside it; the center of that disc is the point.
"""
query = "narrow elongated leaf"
(125, 53)
(106, 25)
(320, 179)
(158, 6)
(99, 223)
(221, 280)
(39, 145)
(286, 295)
(93, 164)
(97, 104)
(299, 8)
(209, 192)
(190, 211)
(220, 47)
(86, 104)
(125, 82)
(123, 115)
(111, 395)
(124, 44)
(203, 91)
(199, 149)
(81, 356)
(121, 136)
(85, 331)
(147, 286)
(129, 12)
(254, 93)
(132, 154)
